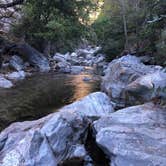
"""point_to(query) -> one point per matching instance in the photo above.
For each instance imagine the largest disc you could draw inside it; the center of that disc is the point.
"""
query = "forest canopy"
(144, 22)
(137, 26)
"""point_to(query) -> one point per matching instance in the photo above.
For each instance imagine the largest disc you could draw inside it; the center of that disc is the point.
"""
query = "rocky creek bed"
(124, 126)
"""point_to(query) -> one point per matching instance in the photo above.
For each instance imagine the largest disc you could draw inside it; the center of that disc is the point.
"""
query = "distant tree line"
(138, 26)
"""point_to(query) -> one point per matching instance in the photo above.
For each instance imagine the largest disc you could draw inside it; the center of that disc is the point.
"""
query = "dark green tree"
(61, 23)
(139, 24)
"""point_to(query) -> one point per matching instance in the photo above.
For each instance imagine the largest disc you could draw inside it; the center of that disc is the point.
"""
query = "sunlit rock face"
(94, 105)
(8, 17)
(54, 139)
(133, 136)
(128, 81)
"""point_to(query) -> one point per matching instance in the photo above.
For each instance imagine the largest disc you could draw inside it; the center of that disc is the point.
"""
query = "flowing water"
(42, 94)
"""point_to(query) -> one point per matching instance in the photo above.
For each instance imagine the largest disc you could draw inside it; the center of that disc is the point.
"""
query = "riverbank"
(25, 61)
(45, 84)
(43, 93)
(127, 127)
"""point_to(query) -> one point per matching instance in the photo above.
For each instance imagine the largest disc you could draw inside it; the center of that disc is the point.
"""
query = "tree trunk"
(124, 23)
(47, 49)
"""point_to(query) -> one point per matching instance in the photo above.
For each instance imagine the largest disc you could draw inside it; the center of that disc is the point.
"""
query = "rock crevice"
(56, 138)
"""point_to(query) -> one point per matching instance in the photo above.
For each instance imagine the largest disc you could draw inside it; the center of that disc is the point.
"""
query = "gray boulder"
(123, 72)
(67, 56)
(147, 88)
(4, 83)
(96, 104)
(32, 56)
(59, 58)
(55, 139)
(16, 62)
(77, 69)
(16, 76)
(64, 67)
(133, 136)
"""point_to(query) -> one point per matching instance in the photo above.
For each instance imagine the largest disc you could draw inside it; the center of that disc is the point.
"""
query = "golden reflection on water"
(42, 94)
(80, 88)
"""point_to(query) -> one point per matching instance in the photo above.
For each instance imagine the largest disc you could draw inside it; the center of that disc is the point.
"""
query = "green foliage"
(161, 48)
(146, 25)
(63, 22)
(110, 36)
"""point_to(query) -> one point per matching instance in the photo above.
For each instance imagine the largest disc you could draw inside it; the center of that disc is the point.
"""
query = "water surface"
(42, 94)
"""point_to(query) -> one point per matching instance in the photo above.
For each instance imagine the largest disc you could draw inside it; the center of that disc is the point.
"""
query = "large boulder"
(94, 105)
(133, 136)
(121, 74)
(55, 139)
(147, 88)
(31, 55)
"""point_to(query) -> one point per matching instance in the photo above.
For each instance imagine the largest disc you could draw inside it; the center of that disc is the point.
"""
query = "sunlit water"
(42, 94)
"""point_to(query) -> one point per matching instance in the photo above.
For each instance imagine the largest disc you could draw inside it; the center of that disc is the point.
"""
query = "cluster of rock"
(6, 80)
(21, 66)
(27, 60)
(135, 135)
(56, 138)
(76, 61)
